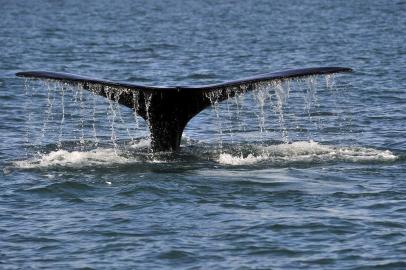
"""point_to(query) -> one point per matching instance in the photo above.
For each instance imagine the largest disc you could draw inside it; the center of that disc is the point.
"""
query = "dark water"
(321, 187)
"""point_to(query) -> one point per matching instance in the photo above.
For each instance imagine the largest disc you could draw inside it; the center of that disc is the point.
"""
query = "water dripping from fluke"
(281, 123)
(167, 110)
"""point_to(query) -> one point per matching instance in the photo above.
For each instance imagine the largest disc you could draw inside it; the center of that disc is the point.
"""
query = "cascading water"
(216, 106)
(61, 125)
(95, 139)
(48, 114)
(295, 121)
(278, 122)
(111, 116)
(268, 107)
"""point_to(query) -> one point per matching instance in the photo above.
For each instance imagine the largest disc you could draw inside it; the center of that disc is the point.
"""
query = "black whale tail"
(168, 109)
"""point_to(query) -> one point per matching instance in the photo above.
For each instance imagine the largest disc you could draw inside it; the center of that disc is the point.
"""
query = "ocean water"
(305, 174)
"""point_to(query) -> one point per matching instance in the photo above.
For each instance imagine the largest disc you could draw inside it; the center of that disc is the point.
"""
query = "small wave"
(61, 186)
(304, 151)
(64, 158)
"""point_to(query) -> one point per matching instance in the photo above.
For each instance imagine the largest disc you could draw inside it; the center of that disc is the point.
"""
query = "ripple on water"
(61, 186)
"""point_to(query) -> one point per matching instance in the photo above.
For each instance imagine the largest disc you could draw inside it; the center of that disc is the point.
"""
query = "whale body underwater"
(167, 110)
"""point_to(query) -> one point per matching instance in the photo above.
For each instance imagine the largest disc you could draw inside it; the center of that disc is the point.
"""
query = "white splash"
(142, 143)
(75, 159)
(228, 159)
(310, 151)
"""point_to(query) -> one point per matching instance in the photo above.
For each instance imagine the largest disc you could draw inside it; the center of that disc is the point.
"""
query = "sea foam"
(64, 158)
(307, 151)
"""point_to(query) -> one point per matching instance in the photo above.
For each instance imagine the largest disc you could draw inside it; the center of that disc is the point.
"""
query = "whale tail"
(168, 109)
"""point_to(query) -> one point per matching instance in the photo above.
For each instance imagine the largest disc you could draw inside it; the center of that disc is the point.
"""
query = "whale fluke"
(168, 109)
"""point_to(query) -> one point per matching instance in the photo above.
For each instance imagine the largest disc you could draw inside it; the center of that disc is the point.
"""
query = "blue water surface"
(316, 181)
